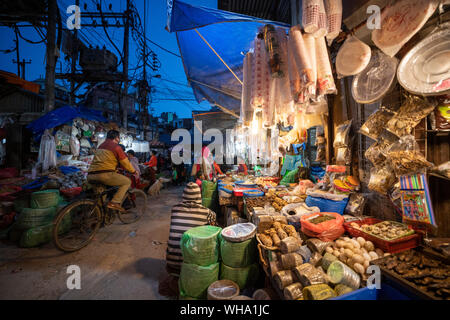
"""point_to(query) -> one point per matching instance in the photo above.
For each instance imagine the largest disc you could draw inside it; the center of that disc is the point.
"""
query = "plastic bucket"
(253, 193)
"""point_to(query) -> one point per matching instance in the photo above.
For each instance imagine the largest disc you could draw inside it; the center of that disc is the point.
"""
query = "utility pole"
(21, 64)
(51, 57)
(125, 67)
(144, 122)
(17, 50)
(74, 62)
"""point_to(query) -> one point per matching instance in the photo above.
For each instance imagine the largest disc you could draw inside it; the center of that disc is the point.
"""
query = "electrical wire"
(182, 101)
(25, 39)
(174, 82)
(85, 34)
(162, 48)
(172, 99)
(106, 32)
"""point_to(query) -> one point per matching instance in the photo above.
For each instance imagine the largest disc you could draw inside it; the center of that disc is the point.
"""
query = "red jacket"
(152, 163)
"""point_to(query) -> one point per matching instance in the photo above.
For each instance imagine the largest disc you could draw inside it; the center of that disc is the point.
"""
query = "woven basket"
(272, 248)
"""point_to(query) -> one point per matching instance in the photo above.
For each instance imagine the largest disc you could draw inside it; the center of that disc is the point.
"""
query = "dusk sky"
(171, 66)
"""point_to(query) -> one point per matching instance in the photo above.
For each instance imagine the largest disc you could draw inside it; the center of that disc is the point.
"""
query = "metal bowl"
(425, 69)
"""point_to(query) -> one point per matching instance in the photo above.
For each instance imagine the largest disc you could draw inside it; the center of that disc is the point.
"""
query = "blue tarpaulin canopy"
(63, 115)
(213, 51)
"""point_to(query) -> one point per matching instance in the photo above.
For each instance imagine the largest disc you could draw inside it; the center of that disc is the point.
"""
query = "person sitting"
(188, 214)
(134, 162)
(107, 159)
(152, 167)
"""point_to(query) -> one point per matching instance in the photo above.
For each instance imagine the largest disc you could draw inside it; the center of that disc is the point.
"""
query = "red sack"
(71, 192)
(328, 230)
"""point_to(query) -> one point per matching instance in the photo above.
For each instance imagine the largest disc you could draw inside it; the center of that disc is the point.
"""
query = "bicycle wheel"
(76, 225)
(137, 203)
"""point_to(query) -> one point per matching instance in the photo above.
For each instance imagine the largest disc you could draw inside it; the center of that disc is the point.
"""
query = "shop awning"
(63, 115)
(215, 120)
(213, 50)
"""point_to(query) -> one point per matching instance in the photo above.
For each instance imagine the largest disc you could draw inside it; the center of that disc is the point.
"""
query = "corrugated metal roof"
(275, 10)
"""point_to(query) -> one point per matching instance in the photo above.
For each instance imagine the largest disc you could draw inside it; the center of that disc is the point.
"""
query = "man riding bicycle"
(107, 159)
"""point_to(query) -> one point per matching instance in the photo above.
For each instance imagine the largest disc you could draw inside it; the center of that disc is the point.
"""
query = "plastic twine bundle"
(323, 23)
(260, 76)
(311, 15)
(334, 18)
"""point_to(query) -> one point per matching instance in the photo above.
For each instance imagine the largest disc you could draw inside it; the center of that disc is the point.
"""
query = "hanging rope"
(218, 56)
(214, 88)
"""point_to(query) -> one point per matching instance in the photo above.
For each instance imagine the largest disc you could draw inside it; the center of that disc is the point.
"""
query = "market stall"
(331, 189)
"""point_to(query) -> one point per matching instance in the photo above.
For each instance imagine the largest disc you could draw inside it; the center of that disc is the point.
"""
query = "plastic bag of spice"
(382, 179)
(442, 116)
(376, 123)
(409, 115)
(375, 155)
(342, 135)
(356, 204)
(326, 230)
(406, 158)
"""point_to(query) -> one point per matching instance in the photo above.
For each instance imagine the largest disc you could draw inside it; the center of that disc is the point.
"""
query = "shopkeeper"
(107, 159)
(204, 168)
(134, 161)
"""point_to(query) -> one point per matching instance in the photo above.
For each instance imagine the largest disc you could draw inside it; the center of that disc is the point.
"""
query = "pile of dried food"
(257, 202)
(273, 235)
(321, 219)
(429, 275)
(386, 230)
(266, 182)
(279, 203)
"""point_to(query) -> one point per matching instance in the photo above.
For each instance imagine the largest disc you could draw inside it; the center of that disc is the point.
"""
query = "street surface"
(122, 262)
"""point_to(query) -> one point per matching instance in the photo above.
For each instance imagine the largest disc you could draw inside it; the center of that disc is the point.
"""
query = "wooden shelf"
(439, 132)
(438, 176)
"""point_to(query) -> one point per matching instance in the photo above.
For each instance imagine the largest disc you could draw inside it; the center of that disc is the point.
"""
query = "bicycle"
(76, 224)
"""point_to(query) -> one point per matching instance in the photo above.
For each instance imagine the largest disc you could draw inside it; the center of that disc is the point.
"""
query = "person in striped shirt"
(186, 215)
